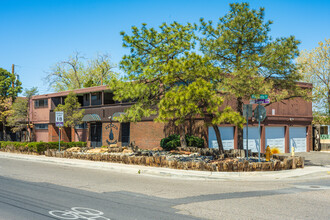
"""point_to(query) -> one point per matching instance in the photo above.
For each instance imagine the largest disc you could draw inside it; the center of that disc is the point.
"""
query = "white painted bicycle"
(78, 213)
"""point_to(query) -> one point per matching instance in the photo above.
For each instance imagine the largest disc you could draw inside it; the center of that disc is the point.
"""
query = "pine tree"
(72, 113)
(249, 61)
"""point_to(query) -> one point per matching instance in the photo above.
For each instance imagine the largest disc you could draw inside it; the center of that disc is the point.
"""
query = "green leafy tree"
(169, 80)
(18, 115)
(28, 93)
(10, 87)
(315, 66)
(76, 72)
(249, 61)
(72, 113)
(153, 54)
(100, 71)
(198, 99)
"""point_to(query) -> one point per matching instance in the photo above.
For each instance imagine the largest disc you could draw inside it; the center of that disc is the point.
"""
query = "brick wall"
(147, 134)
(41, 135)
(83, 133)
(106, 129)
(52, 134)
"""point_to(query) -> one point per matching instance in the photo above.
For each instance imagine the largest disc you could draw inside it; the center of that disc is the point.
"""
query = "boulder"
(73, 149)
(127, 151)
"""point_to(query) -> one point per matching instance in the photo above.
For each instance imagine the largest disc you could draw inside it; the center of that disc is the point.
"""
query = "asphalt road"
(35, 190)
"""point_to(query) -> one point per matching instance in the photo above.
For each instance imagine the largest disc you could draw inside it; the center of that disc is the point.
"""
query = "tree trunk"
(239, 109)
(75, 130)
(4, 131)
(218, 135)
(28, 127)
(183, 136)
(329, 103)
(190, 126)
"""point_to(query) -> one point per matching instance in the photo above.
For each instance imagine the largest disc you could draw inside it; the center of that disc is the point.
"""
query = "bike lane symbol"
(79, 213)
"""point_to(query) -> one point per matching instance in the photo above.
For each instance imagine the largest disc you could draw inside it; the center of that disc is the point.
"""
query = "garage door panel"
(253, 138)
(298, 139)
(227, 137)
(275, 137)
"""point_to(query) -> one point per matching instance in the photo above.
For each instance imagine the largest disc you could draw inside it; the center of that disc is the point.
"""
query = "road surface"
(38, 190)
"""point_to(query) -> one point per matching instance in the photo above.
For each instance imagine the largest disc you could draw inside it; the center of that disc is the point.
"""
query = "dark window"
(86, 100)
(108, 98)
(324, 130)
(81, 126)
(96, 98)
(41, 126)
(81, 100)
(125, 128)
(63, 100)
(41, 103)
(56, 101)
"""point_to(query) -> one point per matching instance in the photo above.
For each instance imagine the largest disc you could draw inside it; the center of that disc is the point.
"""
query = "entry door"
(125, 133)
(96, 134)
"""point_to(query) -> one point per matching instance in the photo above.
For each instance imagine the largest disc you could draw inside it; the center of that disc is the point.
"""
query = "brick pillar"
(73, 135)
(262, 138)
(309, 138)
(287, 139)
(235, 137)
(88, 136)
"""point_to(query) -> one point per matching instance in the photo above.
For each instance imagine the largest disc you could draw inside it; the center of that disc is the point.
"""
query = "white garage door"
(227, 137)
(253, 138)
(275, 137)
(298, 138)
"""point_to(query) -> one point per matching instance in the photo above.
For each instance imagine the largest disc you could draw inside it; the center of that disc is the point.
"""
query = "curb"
(307, 172)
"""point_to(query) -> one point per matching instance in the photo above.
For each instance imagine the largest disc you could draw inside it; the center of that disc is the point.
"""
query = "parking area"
(315, 158)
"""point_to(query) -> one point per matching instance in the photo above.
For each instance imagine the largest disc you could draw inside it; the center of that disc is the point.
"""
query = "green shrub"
(173, 141)
(39, 147)
(170, 142)
(193, 141)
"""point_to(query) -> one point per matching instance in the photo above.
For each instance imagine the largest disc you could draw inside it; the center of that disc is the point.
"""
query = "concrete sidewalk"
(309, 172)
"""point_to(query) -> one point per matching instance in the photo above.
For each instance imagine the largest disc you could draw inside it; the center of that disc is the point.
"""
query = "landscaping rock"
(73, 149)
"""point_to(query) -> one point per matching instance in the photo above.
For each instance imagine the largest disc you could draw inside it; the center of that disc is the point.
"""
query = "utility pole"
(13, 72)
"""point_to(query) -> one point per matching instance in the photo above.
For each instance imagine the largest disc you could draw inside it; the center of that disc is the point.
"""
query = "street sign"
(259, 101)
(260, 96)
(260, 113)
(247, 110)
(59, 119)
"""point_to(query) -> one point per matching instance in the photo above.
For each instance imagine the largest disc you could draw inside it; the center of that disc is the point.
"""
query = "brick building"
(288, 123)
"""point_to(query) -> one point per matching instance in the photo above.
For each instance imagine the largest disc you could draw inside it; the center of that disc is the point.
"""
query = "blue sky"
(36, 34)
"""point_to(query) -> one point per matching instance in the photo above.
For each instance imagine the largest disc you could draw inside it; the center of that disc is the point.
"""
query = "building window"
(96, 98)
(41, 126)
(108, 98)
(81, 126)
(41, 103)
(56, 101)
(86, 100)
(125, 130)
(324, 130)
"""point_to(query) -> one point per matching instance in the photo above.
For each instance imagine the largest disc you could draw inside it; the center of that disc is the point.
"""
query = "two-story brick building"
(288, 123)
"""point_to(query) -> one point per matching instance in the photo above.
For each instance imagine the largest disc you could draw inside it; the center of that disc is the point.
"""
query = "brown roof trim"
(305, 84)
(77, 91)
